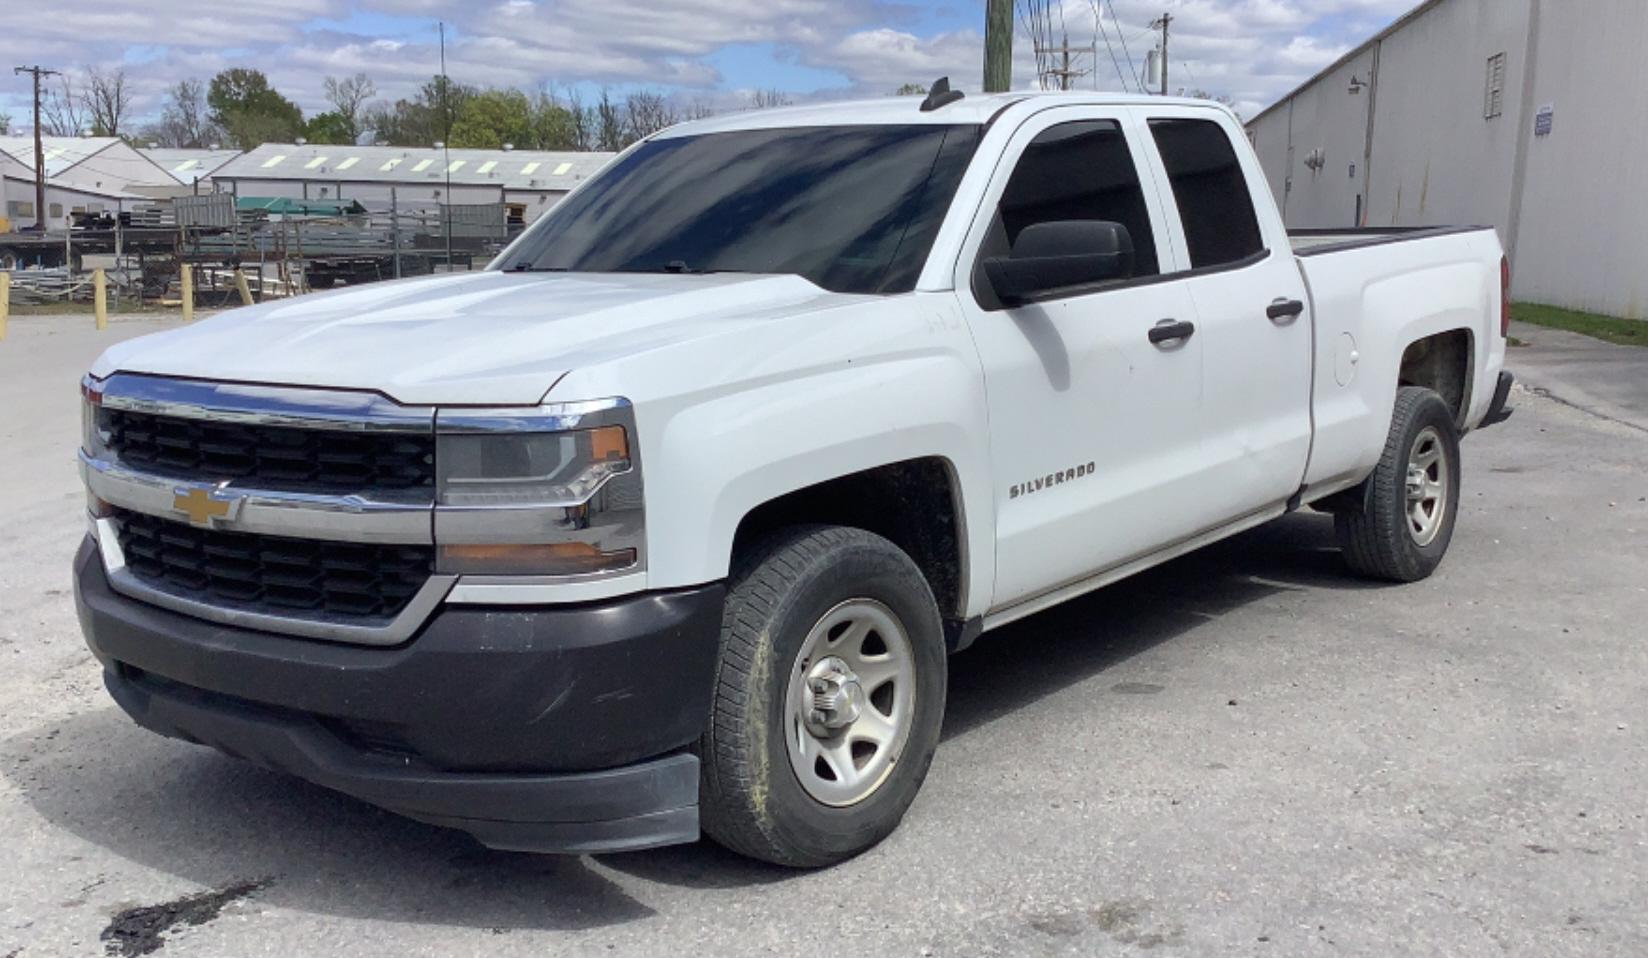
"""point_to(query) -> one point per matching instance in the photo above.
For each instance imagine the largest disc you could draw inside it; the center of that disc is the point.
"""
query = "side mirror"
(1058, 255)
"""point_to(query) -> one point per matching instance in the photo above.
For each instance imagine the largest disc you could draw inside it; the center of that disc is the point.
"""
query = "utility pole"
(1162, 22)
(446, 152)
(39, 149)
(1066, 73)
(998, 46)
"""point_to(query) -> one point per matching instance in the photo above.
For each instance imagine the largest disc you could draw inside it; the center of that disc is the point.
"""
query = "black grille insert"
(315, 460)
(274, 575)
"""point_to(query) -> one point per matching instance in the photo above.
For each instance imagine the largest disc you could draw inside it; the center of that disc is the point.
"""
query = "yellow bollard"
(5, 301)
(100, 298)
(244, 287)
(186, 291)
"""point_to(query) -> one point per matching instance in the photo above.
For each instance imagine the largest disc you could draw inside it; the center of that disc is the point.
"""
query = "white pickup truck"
(668, 520)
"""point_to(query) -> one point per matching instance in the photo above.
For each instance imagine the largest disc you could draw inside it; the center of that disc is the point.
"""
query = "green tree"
(554, 127)
(5, 124)
(911, 89)
(422, 120)
(491, 118)
(329, 128)
(251, 111)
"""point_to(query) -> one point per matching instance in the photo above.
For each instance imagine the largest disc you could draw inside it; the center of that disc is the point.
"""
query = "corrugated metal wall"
(1578, 223)
(1582, 240)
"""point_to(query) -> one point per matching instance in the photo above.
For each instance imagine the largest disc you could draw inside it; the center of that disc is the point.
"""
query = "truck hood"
(489, 338)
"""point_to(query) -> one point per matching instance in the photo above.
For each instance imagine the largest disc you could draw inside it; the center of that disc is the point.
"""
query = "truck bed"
(1314, 242)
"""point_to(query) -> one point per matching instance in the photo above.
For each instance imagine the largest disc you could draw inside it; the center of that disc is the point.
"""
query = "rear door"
(1251, 310)
(1094, 429)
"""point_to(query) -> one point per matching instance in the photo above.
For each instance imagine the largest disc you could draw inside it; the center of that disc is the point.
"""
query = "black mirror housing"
(1059, 255)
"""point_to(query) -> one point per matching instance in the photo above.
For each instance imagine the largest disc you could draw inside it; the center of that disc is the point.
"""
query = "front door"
(1094, 428)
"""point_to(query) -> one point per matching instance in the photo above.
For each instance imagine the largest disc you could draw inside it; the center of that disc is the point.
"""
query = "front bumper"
(558, 729)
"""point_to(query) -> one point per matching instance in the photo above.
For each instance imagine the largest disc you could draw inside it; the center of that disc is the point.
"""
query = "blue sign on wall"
(1542, 120)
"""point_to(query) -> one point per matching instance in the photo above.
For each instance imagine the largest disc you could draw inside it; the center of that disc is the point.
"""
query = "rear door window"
(1209, 188)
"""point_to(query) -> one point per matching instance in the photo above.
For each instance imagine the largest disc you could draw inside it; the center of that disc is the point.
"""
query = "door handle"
(1170, 331)
(1284, 309)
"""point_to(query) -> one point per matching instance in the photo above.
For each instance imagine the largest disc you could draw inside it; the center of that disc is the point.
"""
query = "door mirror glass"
(1054, 256)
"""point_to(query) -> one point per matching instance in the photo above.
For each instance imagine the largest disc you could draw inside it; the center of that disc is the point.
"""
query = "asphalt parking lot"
(1244, 752)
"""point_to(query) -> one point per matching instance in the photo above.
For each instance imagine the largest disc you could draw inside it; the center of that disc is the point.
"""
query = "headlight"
(554, 490)
(529, 469)
(94, 439)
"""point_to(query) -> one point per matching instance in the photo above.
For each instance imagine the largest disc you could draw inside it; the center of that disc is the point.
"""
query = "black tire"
(751, 800)
(1376, 531)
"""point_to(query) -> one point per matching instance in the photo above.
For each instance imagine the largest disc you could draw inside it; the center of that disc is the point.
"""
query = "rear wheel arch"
(1444, 363)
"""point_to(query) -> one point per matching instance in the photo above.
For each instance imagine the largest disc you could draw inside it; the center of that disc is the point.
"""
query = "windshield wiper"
(680, 266)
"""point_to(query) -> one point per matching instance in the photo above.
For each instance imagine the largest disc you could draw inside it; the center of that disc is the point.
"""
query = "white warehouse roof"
(189, 165)
(62, 152)
(511, 169)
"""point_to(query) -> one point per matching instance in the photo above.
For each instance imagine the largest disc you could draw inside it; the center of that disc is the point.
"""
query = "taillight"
(1504, 296)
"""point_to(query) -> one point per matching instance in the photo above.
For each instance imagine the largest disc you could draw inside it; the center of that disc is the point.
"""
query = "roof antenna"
(940, 96)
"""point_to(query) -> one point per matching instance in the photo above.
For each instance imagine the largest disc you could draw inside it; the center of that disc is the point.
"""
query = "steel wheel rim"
(850, 702)
(1427, 486)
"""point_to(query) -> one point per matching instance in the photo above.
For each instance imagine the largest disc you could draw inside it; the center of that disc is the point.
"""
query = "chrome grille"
(271, 574)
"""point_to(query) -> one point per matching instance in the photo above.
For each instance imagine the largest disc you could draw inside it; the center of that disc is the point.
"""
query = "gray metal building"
(1526, 115)
(374, 175)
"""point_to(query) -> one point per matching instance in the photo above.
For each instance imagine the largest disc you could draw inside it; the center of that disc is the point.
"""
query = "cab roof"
(890, 110)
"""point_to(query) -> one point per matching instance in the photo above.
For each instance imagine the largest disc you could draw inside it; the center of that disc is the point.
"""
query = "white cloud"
(1250, 50)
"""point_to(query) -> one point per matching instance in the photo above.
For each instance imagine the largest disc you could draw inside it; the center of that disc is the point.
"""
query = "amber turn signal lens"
(608, 443)
(559, 558)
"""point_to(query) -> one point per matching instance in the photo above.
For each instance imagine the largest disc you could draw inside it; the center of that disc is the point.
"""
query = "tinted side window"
(1210, 190)
(1080, 171)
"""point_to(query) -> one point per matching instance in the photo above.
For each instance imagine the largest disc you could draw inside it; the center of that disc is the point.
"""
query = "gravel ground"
(1244, 752)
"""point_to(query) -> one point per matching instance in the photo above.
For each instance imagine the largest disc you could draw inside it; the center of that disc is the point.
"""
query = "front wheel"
(1403, 517)
(828, 701)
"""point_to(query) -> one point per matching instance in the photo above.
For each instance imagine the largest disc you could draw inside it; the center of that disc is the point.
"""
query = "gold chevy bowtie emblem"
(204, 507)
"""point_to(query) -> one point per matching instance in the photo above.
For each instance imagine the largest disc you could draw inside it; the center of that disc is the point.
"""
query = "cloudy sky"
(708, 50)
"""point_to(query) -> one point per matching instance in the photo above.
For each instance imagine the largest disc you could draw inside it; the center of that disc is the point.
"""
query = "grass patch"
(1625, 332)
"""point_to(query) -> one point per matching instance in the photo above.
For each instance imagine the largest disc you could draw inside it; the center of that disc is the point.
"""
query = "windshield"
(853, 209)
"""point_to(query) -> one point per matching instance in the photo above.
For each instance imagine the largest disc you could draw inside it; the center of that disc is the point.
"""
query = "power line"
(1193, 81)
(1132, 69)
(1098, 21)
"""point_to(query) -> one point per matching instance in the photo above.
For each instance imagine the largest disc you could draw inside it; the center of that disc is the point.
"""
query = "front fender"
(736, 421)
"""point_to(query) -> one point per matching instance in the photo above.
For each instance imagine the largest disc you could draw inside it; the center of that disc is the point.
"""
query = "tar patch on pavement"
(139, 931)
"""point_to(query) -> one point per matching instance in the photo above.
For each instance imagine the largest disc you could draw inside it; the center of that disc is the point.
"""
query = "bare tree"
(645, 113)
(5, 124)
(764, 99)
(583, 124)
(185, 120)
(106, 100)
(1201, 94)
(698, 109)
(62, 112)
(348, 96)
(609, 124)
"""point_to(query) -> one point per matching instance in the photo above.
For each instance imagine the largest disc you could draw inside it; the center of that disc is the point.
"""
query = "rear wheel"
(829, 697)
(1398, 523)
